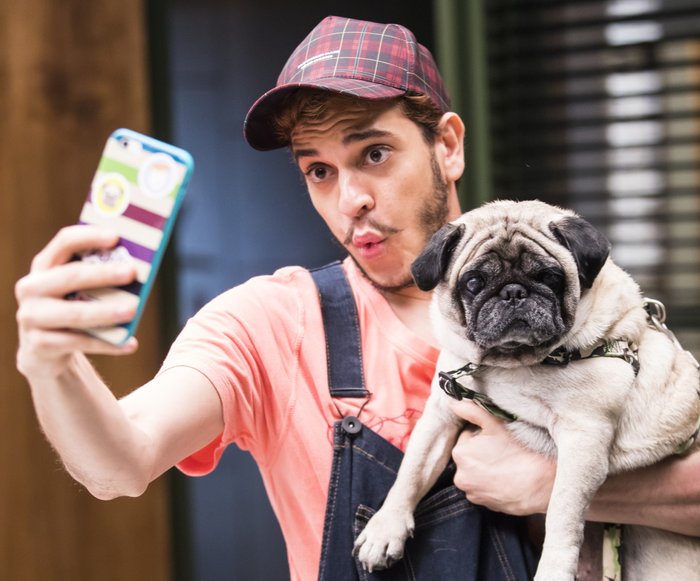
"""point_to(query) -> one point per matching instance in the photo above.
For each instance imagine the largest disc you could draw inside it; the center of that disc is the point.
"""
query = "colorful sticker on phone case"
(158, 175)
(110, 194)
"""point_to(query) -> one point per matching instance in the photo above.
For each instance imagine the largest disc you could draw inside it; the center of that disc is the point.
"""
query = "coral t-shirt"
(262, 347)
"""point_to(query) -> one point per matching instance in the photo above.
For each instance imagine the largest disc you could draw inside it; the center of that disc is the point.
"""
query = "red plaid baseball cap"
(355, 57)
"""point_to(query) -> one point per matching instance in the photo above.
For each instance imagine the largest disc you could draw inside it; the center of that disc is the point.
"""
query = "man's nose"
(355, 197)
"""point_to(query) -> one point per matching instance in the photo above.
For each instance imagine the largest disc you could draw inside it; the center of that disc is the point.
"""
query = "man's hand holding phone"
(87, 288)
(52, 327)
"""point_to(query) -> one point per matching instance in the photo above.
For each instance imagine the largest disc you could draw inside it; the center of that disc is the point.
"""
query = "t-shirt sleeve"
(245, 342)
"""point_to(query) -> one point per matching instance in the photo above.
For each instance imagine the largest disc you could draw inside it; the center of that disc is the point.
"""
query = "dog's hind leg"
(582, 466)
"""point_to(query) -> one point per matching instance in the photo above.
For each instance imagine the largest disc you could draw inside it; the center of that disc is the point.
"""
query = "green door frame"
(461, 52)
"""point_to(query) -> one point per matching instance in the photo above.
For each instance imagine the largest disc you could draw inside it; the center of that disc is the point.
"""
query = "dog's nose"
(513, 292)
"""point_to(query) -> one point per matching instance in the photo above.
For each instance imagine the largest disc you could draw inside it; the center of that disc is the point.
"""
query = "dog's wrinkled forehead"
(521, 256)
(511, 247)
(511, 243)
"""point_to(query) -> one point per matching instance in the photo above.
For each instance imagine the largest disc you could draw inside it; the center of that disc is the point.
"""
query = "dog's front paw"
(551, 568)
(382, 541)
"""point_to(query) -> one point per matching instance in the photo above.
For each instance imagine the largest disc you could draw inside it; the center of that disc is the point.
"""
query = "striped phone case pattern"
(134, 192)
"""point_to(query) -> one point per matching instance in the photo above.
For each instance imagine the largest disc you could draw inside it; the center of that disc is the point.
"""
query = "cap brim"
(259, 125)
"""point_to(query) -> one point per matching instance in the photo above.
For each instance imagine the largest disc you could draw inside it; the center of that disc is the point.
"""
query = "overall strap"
(342, 329)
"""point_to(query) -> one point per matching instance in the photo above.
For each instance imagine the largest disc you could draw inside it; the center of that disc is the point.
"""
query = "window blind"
(596, 106)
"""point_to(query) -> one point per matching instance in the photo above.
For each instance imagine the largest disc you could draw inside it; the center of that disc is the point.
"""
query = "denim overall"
(454, 539)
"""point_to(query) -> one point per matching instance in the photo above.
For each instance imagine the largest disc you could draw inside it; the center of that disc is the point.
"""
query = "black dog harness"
(449, 380)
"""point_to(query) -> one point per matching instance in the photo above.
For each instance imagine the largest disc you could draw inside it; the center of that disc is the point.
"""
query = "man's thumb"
(474, 413)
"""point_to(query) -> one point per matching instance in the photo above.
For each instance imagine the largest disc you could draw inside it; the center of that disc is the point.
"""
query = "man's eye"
(377, 155)
(317, 173)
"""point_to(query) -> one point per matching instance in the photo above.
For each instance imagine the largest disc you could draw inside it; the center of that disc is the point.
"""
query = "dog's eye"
(552, 278)
(473, 284)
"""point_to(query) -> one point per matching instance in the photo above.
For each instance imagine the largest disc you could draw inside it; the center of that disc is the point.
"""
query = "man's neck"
(411, 306)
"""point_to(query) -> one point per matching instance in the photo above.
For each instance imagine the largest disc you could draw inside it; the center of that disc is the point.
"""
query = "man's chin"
(383, 282)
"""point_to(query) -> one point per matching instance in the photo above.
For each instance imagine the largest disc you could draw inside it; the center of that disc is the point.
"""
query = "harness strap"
(449, 384)
(342, 330)
(618, 348)
(448, 380)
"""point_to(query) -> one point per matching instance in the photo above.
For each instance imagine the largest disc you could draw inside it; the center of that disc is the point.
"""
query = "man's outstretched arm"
(114, 448)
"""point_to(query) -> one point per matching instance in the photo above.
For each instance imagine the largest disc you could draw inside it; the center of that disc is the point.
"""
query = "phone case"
(137, 191)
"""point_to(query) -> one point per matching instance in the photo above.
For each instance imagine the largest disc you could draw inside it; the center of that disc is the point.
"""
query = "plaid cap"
(355, 57)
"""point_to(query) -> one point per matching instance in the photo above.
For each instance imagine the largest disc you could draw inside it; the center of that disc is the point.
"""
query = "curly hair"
(316, 105)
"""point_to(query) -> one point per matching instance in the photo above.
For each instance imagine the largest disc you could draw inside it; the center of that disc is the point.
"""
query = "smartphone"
(137, 191)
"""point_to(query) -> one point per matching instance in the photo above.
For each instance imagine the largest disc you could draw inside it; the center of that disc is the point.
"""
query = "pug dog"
(536, 322)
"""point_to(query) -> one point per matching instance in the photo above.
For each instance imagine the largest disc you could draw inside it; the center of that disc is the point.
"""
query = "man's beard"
(432, 216)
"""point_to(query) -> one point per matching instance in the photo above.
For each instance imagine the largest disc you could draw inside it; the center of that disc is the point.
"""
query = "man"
(365, 114)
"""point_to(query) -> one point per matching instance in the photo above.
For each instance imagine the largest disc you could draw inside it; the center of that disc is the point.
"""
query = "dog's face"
(508, 277)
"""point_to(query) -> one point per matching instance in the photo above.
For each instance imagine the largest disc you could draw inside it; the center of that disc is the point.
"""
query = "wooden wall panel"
(71, 71)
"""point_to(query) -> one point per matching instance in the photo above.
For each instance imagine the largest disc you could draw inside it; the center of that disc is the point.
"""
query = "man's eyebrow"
(354, 137)
(298, 153)
(363, 135)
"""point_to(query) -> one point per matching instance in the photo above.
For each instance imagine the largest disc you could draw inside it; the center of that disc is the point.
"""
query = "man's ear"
(451, 141)
(431, 264)
(588, 245)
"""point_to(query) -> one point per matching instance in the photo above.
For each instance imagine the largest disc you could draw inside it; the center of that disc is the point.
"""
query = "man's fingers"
(71, 240)
(66, 278)
(475, 414)
(63, 342)
(52, 313)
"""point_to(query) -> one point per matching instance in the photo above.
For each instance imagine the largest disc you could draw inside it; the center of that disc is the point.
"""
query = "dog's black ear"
(588, 245)
(432, 262)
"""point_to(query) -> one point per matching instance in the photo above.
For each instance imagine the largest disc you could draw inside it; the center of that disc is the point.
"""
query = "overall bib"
(454, 540)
